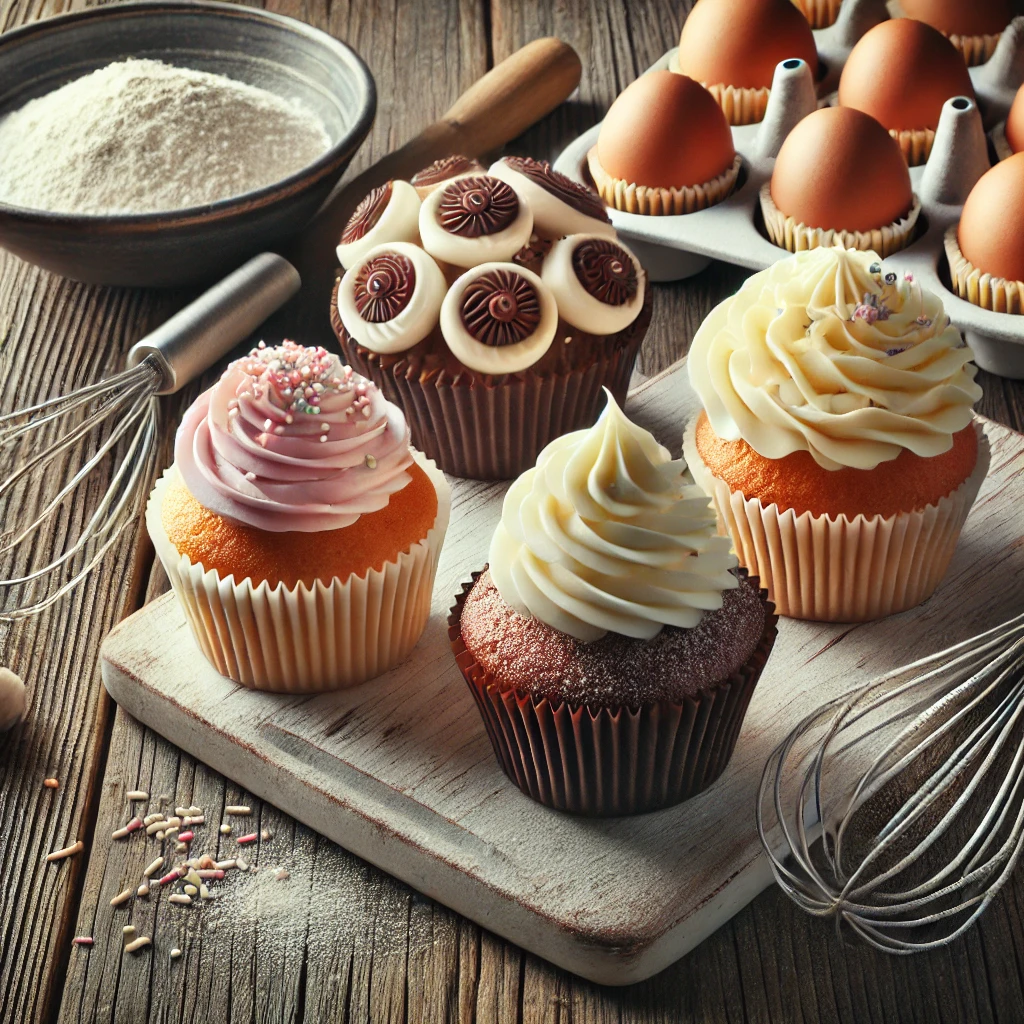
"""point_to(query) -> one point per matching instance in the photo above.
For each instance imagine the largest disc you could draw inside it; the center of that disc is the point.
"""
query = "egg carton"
(676, 247)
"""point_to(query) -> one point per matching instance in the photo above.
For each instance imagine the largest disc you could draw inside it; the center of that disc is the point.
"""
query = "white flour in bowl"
(141, 136)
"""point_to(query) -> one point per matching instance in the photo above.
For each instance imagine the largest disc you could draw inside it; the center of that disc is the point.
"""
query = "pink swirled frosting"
(290, 439)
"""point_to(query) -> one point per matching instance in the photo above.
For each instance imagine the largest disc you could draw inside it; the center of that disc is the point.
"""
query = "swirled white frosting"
(829, 353)
(607, 534)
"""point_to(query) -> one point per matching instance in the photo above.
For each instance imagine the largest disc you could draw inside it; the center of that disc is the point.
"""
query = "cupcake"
(840, 179)
(973, 28)
(664, 148)
(837, 438)
(440, 172)
(819, 13)
(298, 528)
(733, 46)
(388, 213)
(986, 249)
(611, 645)
(902, 72)
(498, 332)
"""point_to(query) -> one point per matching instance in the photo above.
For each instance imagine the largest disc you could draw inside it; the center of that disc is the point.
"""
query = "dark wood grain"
(347, 942)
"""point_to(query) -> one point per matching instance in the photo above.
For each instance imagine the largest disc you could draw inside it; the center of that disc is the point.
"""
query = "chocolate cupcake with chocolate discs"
(389, 213)
(519, 348)
(612, 646)
(440, 172)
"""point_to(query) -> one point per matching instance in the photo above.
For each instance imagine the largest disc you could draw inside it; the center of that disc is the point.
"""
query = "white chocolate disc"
(552, 217)
(577, 306)
(398, 223)
(497, 359)
(417, 318)
(464, 251)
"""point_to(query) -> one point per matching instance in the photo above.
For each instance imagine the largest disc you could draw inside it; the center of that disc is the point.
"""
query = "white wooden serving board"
(400, 772)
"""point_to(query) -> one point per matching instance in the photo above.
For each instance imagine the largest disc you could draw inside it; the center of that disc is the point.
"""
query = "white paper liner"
(819, 13)
(791, 234)
(740, 106)
(915, 144)
(306, 640)
(841, 570)
(980, 289)
(975, 49)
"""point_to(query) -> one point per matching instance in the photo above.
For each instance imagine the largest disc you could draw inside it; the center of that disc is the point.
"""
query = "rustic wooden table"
(340, 940)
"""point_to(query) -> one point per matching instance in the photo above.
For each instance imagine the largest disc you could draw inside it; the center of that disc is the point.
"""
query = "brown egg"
(665, 131)
(901, 73)
(961, 17)
(1015, 122)
(990, 234)
(840, 169)
(739, 42)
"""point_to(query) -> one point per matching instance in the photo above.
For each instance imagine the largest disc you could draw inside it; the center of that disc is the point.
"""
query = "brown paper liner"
(661, 202)
(980, 289)
(975, 49)
(819, 13)
(740, 106)
(493, 428)
(796, 237)
(915, 144)
(999, 142)
(604, 762)
(840, 569)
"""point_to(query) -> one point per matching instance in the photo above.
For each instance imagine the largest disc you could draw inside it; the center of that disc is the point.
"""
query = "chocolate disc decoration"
(572, 193)
(445, 168)
(500, 308)
(384, 286)
(367, 213)
(606, 271)
(477, 206)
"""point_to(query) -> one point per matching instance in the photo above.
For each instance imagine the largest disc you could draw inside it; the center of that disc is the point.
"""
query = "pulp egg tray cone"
(676, 247)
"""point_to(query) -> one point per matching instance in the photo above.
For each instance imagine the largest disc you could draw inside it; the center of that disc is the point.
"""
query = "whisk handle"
(208, 328)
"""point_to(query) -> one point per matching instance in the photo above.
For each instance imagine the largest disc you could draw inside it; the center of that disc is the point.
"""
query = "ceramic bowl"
(194, 245)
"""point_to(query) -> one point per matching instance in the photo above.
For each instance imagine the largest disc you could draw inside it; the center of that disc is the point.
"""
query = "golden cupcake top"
(830, 353)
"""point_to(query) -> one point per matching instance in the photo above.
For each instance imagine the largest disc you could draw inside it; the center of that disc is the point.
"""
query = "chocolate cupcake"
(612, 646)
(492, 358)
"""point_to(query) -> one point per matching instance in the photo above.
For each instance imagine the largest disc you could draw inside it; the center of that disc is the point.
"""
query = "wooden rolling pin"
(511, 97)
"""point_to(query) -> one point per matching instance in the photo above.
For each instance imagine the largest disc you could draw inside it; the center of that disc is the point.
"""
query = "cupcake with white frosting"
(838, 438)
(298, 528)
(497, 331)
(612, 645)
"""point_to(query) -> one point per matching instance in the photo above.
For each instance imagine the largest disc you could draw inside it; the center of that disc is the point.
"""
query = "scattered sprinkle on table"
(82, 940)
(51, 783)
(250, 838)
(239, 809)
(140, 943)
(175, 953)
(153, 867)
(225, 829)
(121, 897)
(68, 851)
(180, 898)
(137, 794)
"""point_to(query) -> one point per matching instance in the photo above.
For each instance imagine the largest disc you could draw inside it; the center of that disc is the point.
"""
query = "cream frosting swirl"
(290, 439)
(607, 534)
(827, 352)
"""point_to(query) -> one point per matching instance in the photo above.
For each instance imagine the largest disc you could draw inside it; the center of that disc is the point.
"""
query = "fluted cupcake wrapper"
(659, 202)
(838, 569)
(981, 289)
(605, 762)
(975, 49)
(306, 639)
(915, 144)
(797, 237)
(819, 13)
(740, 106)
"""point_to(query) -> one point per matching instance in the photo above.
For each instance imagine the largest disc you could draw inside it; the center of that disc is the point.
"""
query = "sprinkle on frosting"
(481, 205)
(606, 271)
(367, 213)
(830, 353)
(289, 439)
(384, 286)
(579, 197)
(500, 308)
(608, 534)
(444, 169)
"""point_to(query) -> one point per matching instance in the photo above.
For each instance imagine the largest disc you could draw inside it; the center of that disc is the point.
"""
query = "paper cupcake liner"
(975, 49)
(493, 428)
(819, 13)
(914, 143)
(985, 290)
(999, 142)
(740, 106)
(841, 570)
(603, 762)
(796, 237)
(660, 202)
(306, 639)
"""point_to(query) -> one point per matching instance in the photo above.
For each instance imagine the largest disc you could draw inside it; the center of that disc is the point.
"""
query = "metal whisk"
(113, 423)
(915, 785)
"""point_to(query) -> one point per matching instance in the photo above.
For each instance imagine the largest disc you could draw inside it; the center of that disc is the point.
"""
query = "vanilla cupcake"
(611, 646)
(838, 439)
(298, 528)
